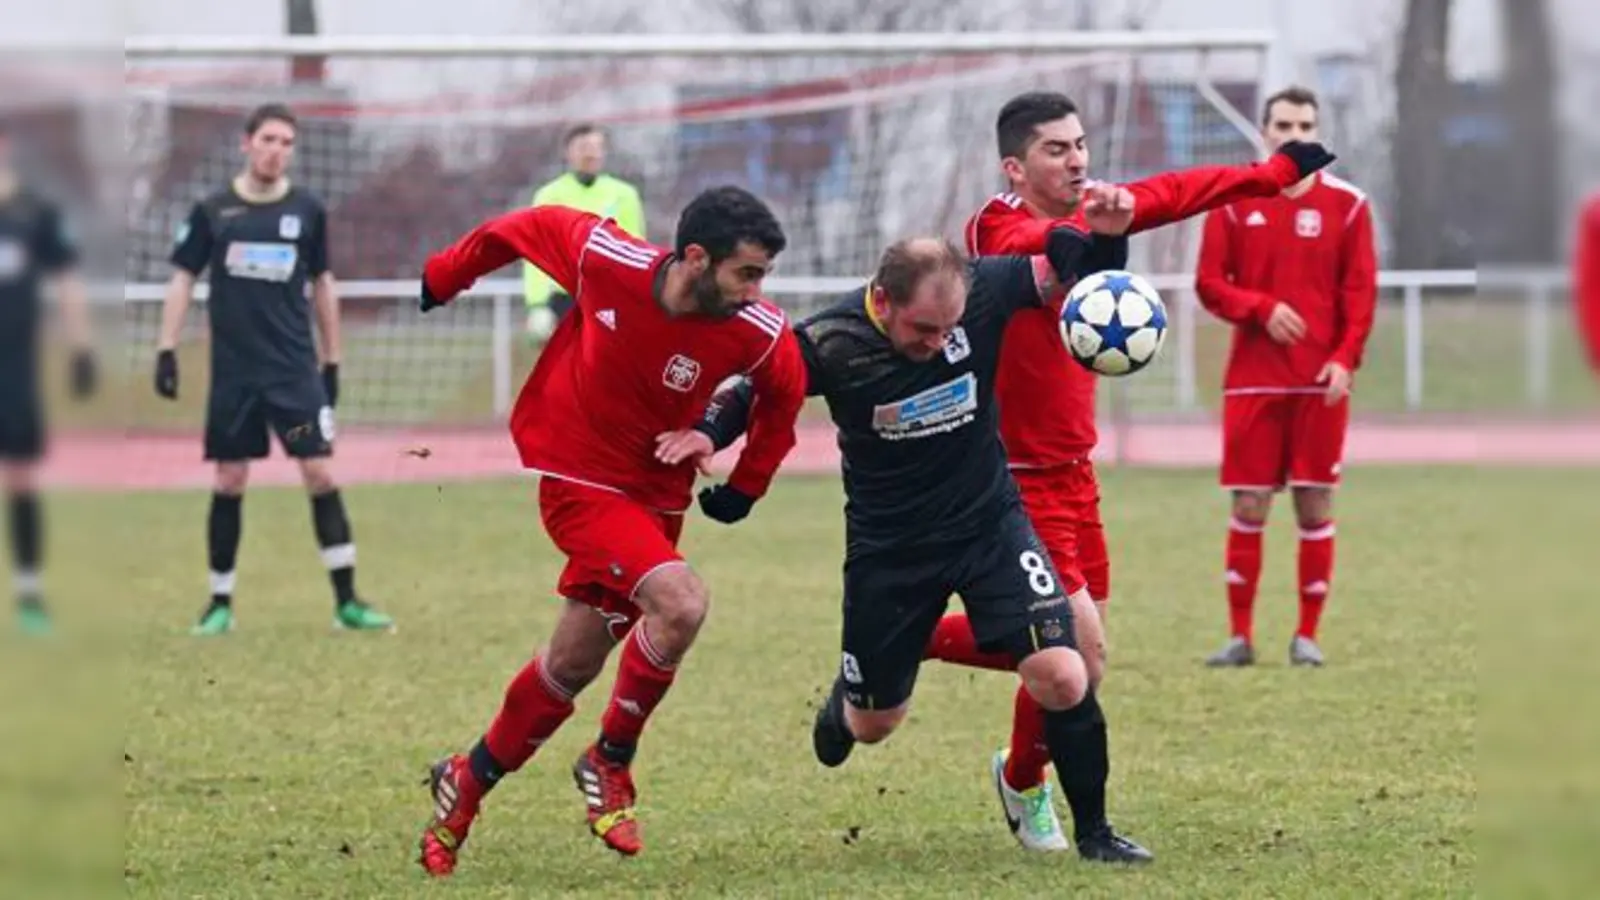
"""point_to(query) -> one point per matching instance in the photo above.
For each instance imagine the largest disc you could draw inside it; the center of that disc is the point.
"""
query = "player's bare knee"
(1313, 506)
(20, 478)
(872, 726)
(232, 478)
(1089, 635)
(1252, 506)
(317, 476)
(676, 600)
(1056, 677)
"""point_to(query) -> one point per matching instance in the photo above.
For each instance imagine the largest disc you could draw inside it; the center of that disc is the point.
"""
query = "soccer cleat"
(1237, 652)
(1105, 845)
(456, 796)
(608, 796)
(33, 620)
(358, 616)
(1030, 813)
(1303, 651)
(217, 619)
(831, 739)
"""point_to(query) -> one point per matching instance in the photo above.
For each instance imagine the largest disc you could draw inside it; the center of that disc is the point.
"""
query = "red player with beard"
(651, 335)
(1049, 433)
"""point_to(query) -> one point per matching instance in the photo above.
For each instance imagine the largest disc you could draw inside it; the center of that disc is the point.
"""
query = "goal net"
(411, 145)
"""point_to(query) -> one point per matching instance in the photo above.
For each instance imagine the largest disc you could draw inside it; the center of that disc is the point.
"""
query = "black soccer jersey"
(34, 245)
(261, 257)
(923, 462)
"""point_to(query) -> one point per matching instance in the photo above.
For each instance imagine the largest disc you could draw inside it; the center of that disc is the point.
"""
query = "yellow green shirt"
(608, 197)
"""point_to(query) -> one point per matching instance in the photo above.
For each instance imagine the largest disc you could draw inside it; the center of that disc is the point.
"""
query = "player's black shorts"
(894, 599)
(238, 416)
(22, 427)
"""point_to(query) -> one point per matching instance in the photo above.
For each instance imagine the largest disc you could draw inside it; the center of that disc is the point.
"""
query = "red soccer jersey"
(1047, 400)
(1586, 279)
(620, 370)
(1314, 252)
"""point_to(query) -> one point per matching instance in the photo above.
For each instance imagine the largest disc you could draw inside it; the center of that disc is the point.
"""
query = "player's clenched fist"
(167, 374)
(686, 445)
(725, 504)
(1308, 156)
(1285, 325)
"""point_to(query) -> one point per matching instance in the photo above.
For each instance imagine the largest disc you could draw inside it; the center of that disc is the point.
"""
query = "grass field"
(285, 761)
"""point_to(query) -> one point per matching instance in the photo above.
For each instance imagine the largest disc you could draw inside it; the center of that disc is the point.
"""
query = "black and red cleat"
(608, 796)
(456, 795)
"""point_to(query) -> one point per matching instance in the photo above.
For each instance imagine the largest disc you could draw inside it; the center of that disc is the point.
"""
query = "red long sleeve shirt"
(1047, 400)
(620, 370)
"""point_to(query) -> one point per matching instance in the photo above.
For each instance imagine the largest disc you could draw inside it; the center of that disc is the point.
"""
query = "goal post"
(854, 139)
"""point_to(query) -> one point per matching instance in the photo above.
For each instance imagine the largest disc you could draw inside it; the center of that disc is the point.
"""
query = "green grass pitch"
(286, 761)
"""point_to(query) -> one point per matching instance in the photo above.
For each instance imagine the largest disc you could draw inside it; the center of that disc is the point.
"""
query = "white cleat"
(1030, 813)
(1303, 651)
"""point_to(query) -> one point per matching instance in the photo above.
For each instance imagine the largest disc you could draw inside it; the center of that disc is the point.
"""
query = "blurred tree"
(1422, 97)
(1529, 184)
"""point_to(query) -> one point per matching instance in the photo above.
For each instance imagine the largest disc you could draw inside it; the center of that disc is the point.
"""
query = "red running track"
(173, 462)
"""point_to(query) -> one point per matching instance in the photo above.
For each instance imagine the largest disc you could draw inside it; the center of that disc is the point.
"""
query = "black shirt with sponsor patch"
(261, 257)
(34, 245)
(923, 462)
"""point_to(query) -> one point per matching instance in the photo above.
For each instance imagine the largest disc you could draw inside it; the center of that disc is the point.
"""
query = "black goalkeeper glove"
(167, 374)
(330, 382)
(1066, 248)
(1308, 156)
(427, 300)
(83, 373)
(725, 504)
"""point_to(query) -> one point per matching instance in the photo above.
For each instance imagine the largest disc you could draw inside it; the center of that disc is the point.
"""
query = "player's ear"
(1012, 167)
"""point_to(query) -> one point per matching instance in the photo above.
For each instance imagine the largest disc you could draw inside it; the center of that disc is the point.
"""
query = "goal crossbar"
(720, 44)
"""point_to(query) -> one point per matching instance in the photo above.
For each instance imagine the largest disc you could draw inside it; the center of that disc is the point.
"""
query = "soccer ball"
(1114, 323)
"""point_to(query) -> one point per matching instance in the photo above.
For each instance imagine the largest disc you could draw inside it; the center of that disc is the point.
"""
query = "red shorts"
(611, 544)
(1063, 503)
(1270, 441)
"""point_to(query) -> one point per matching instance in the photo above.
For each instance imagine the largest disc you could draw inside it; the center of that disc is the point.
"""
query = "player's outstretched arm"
(1213, 282)
(1174, 196)
(550, 237)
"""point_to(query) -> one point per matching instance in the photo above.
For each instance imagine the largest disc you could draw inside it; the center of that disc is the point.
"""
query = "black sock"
(616, 754)
(338, 549)
(485, 768)
(1078, 747)
(224, 526)
(27, 544)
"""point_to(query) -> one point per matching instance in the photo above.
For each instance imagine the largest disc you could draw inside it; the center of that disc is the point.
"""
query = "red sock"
(1316, 575)
(1244, 573)
(1029, 755)
(534, 707)
(953, 642)
(643, 677)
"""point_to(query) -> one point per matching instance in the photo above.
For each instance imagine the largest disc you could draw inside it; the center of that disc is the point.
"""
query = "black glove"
(83, 373)
(1066, 248)
(1309, 157)
(167, 374)
(725, 504)
(428, 300)
(1107, 251)
(330, 382)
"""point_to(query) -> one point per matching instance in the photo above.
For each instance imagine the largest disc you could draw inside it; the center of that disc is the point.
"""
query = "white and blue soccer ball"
(1114, 322)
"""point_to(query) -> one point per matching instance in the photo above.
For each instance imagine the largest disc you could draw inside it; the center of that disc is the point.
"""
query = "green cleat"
(358, 616)
(216, 620)
(33, 620)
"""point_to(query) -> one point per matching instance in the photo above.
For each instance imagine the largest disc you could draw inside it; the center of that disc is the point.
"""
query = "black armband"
(1067, 249)
(728, 413)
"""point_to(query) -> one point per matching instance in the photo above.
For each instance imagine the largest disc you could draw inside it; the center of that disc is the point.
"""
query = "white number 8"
(1039, 576)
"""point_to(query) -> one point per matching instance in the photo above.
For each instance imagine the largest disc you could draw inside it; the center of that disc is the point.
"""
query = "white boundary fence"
(1535, 289)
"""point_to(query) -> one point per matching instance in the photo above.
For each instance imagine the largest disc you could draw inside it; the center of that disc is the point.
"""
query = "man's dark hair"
(579, 130)
(907, 262)
(1015, 127)
(721, 218)
(269, 112)
(1295, 95)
